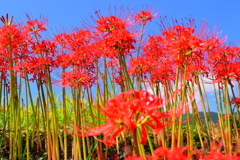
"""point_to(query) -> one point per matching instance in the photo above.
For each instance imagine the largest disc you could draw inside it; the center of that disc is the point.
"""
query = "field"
(107, 90)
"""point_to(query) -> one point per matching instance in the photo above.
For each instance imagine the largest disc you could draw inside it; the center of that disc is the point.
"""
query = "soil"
(40, 154)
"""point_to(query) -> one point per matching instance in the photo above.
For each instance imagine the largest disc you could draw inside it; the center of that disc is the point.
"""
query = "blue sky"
(69, 13)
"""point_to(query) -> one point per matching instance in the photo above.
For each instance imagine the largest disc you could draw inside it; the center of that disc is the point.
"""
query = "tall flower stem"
(183, 99)
(174, 109)
(64, 119)
(203, 105)
(27, 121)
(13, 105)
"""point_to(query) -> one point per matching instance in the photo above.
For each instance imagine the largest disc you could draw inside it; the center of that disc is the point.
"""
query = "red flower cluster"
(180, 46)
(116, 40)
(225, 63)
(76, 52)
(77, 79)
(25, 54)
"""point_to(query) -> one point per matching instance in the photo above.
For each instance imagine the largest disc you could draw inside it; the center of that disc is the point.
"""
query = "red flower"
(134, 158)
(236, 101)
(138, 65)
(77, 78)
(35, 27)
(110, 24)
(128, 111)
(121, 41)
(224, 62)
(44, 47)
(219, 156)
(173, 154)
(143, 16)
(119, 80)
(35, 66)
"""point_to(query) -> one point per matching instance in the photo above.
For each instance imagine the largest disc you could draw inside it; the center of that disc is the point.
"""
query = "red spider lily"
(113, 38)
(219, 156)
(138, 65)
(155, 47)
(76, 51)
(78, 39)
(236, 101)
(15, 39)
(75, 41)
(79, 47)
(21, 50)
(110, 24)
(113, 63)
(121, 41)
(212, 43)
(215, 153)
(60, 39)
(160, 65)
(180, 46)
(46, 48)
(182, 42)
(14, 48)
(172, 154)
(35, 27)
(143, 16)
(77, 78)
(134, 158)
(225, 62)
(128, 111)
(63, 60)
(119, 80)
(38, 61)
(162, 73)
(35, 66)
(116, 69)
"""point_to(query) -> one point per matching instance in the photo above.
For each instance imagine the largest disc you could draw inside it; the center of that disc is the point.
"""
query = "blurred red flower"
(128, 111)
(236, 101)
